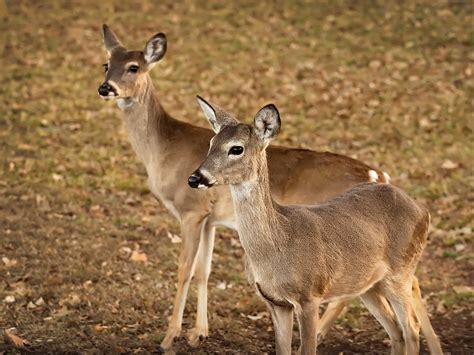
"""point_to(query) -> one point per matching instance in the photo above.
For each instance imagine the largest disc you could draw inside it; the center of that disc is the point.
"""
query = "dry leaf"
(63, 311)
(9, 299)
(174, 238)
(57, 177)
(74, 300)
(14, 339)
(221, 286)
(100, 328)
(463, 290)
(40, 302)
(125, 252)
(138, 256)
(449, 165)
(9, 262)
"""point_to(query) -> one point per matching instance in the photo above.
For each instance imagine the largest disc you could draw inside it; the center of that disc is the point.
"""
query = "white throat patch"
(125, 103)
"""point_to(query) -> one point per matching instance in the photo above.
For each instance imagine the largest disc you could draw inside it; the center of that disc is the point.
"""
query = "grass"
(388, 82)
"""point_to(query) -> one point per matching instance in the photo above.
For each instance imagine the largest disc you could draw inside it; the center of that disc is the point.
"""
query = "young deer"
(366, 242)
(169, 149)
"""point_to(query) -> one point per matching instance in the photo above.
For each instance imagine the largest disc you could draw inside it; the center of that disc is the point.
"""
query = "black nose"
(195, 179)
(104, 89)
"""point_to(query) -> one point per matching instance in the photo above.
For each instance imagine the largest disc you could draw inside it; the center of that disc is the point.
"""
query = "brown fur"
(364, 242)
(170, 149)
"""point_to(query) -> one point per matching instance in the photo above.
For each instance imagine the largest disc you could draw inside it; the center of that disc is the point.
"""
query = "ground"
(89, 258)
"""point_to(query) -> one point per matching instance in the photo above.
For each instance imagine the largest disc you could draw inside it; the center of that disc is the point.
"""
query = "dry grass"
(388, 83)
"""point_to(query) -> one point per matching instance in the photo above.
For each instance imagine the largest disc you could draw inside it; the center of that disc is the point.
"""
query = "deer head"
(126, 71)
(237, 149)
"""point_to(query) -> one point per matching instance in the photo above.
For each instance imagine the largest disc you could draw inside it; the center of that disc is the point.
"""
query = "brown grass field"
(388, 82)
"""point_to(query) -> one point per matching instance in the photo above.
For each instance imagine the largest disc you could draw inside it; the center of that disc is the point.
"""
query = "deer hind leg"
(377, 304)
(190, 229)
(203, 270)
(333, 310)
(308, 317)
(399, 294)
(422, 315)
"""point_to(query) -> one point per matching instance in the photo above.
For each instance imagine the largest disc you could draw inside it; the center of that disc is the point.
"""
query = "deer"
(170, 148)
(365, 242)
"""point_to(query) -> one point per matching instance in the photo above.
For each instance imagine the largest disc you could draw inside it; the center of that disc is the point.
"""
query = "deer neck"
(257, 217)
(144, 118)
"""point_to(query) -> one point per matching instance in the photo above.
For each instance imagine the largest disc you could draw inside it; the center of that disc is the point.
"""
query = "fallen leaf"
(463, 290)
(15, 339)
(40, 302)
(174, 238)
(138, 256)
(449, 165)
(63, 311)
(9, 262)
(375, 64)
(100, 328)
(9, 299)
(221, 286)
(125, 252)
(57, 177)
(71, 300)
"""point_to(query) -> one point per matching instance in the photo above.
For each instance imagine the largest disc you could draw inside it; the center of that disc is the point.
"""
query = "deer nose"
(195, 179)
(104, 89)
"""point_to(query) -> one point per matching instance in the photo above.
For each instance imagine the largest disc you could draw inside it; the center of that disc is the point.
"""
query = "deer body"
(169, 149)
(325, 239)
(365, 242)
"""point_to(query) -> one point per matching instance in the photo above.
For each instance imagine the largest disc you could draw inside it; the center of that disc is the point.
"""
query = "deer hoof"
(196, 337)
(171, 334)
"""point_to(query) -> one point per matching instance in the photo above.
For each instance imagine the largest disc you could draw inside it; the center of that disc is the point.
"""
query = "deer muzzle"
(198, 181)
(106, 90)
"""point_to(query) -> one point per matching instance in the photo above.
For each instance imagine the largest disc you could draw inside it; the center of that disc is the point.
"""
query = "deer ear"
(155, 48)
(210, 113)
(267, 123)
(110, 39)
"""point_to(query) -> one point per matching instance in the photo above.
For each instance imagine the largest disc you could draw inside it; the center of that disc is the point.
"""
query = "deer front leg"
(282, 318)
(191, 229)
(203, 270)
(333, 311)
(308, 317)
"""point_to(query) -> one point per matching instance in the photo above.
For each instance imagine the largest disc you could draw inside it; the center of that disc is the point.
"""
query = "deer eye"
(236, 150)
(133, 68)
(106, 67)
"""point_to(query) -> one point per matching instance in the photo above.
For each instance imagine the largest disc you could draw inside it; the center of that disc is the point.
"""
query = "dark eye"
(133, 68)
(106, 67)
(236, 150)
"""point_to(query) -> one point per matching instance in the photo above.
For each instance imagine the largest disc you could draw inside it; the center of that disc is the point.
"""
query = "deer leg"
(377, 304)
(333, 311)
(190, 229)
(308, 317)
(422, 315)
(203, 269)
(282, 318)
(399, 294)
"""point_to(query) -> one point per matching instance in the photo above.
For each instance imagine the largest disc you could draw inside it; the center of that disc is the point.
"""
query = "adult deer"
(169, 149)
(366, 242)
